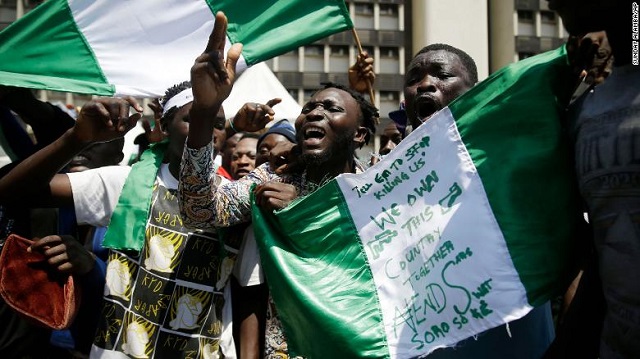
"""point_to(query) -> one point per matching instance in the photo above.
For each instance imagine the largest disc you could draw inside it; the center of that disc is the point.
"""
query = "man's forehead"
(435, 57)
(247, 142)
(331, 93)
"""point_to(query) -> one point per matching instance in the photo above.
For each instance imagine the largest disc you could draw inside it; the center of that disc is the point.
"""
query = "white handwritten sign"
(439, 260)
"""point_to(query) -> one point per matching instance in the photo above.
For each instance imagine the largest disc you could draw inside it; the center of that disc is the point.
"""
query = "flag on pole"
(466, 225)
(142, 47)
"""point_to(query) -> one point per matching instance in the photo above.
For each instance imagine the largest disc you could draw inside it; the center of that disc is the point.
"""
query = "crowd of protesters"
(186, 266)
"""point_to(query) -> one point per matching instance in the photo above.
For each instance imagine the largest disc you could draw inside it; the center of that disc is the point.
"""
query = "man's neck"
(319, 173)
(174, 166)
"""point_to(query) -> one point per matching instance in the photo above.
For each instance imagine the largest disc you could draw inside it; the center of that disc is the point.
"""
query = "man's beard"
(343, 144)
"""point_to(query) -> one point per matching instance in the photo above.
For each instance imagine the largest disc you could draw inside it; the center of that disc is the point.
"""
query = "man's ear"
(361, 136)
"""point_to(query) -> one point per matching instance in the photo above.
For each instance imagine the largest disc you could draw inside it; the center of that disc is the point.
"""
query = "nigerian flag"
(142, 47)
(464, 226)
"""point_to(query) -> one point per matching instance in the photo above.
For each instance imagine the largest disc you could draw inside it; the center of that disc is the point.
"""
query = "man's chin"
(314, 158)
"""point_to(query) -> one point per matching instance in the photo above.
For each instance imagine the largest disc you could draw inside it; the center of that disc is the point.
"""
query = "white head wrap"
(178, 100)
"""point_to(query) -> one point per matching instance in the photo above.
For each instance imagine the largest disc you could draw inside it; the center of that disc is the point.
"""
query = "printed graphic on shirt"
(162, 250)
(207, 263)
(138, 337)
(188, 309)
(152, 296)
(172, 345)
(164, 213)
(119, 277)
(209, 349)
(109, 326)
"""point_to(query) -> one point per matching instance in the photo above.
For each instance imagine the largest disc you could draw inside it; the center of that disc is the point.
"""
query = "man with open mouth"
(437, 75)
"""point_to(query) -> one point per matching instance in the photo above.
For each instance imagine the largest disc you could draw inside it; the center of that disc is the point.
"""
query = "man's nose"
(387, 148)
(316, 113)
(244, 160)
(427, 84)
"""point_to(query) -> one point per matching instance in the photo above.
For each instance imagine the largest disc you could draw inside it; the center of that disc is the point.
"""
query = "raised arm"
(35, 181)
(205, 201)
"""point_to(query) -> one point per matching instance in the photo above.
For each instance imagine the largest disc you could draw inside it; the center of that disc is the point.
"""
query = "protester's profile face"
(328, 126)
(268, 143)
(98, 155)
(219, 133)
(178, 129)
(432, 81)
(243, 159)
(389, 139)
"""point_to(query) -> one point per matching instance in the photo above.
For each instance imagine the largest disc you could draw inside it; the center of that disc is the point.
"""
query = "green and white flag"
(464, 226)
(142, 47)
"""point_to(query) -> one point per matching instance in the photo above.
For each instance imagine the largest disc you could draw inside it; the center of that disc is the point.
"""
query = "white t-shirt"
(96, 193)
(248, 270)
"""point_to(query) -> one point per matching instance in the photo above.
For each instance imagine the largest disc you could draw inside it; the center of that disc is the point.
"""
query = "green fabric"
(271, 28)
(127, 227)
(30, 50)
(312, 241)
(523, 156)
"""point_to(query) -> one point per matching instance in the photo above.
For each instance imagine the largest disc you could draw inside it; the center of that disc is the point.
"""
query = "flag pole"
(360, 51)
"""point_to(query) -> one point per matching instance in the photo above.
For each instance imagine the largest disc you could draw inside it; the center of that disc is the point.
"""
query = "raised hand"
(361, 75)
(156, 134)
(105, 119)
(253, 116)
(211, 76)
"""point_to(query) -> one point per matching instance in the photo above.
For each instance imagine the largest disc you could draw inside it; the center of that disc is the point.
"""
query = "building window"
(288, 61)
(525, 15)
(389, 96)
(314, 50)
(308, 93)
(367, 49)
(364, 9)
(388, 10)
(524, 55)
(389, 52)
(339, 50)
(548, 17)
(293, 93)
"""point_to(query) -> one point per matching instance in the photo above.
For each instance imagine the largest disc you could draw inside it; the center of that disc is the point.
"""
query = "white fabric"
(247, 269)
(96, 193)
(160, 51)
(259, 84)
(178, 100)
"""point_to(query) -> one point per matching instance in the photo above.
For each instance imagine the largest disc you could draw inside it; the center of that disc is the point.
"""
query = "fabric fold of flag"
(142, 47)
(466, 225)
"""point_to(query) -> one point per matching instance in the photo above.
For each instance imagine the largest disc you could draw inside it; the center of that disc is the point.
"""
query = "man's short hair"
(172, 91)
(248, 135)
(467, 61)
